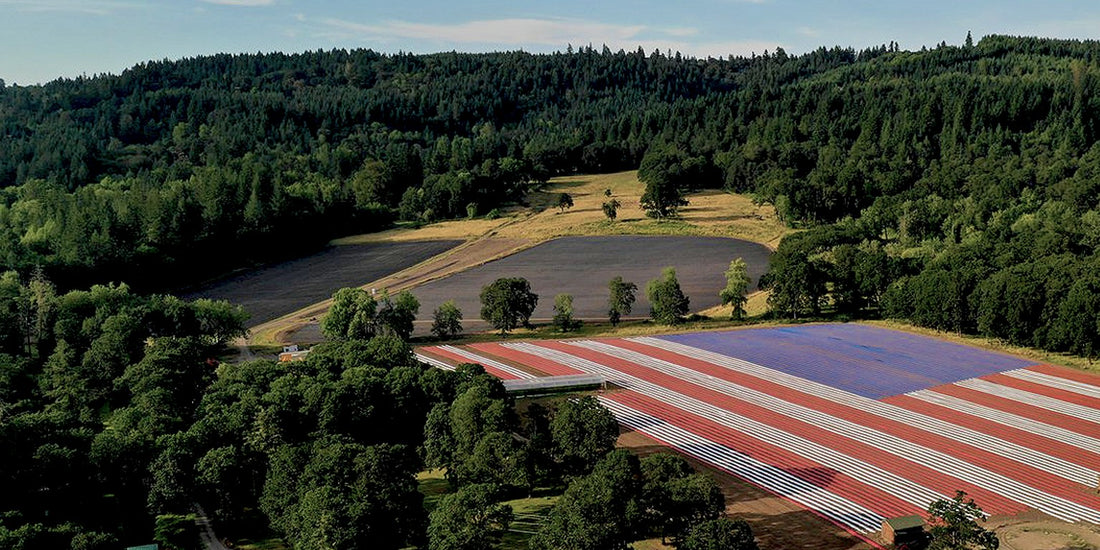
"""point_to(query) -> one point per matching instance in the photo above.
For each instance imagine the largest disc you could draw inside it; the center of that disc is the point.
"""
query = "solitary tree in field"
(563, 312)
(663, 177)
(446, 320)
(565, 201)
(667, 301)
(662, 198)
(621, 299)
(396, 314)
(507, 303)
(351, 316)
(737, 284)
(611, 209)
(955, 525)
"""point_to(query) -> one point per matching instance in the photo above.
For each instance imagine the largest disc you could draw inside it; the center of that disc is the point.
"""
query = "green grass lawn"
(433, 486)
(529, 512)
(266, 544)
(529, 515)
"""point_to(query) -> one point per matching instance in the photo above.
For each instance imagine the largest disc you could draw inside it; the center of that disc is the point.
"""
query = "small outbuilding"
(906, 530)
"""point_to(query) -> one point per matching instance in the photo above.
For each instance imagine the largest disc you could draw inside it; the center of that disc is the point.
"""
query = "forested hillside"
(177, 167)
(956, 186)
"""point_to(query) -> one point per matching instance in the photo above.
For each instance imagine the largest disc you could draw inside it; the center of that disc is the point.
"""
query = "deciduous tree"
(737, 284)
(667, 301)
(621, 299)
(508, 303)
(446, 320)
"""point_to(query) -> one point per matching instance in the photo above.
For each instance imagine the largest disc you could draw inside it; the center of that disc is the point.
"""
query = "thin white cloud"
(244, 3)
(808, 31)
(536, 35)
(89, 7)
(509, 32)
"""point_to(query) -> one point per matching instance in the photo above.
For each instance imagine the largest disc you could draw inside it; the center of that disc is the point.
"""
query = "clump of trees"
(94, 385)
(625, 499)
(356, 314)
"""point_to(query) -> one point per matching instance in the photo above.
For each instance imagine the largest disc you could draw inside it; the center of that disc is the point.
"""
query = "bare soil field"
(272, 291)
(582, 266)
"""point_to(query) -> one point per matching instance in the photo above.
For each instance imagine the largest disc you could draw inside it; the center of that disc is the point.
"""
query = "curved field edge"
(711, 213)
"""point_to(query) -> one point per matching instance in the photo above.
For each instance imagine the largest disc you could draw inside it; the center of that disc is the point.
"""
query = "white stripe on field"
(1041, 401)
(1020, 453)
(774, 479)
(486, 362)
(433, 362)
(1055, 382)
(903, 448)
(1048, 431)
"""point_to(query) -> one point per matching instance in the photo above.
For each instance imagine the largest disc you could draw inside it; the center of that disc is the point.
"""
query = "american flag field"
(856, 423)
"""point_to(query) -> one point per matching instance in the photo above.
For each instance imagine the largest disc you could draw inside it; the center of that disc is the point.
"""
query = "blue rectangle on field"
(869, 361)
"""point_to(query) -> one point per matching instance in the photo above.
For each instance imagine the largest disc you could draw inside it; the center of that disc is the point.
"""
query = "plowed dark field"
(271, 292)
(582, 266)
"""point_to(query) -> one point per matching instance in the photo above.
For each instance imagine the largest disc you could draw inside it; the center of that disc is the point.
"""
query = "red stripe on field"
(540, 363)
(1064, 451)
(1013, 469)
(846, 528)
(1033, 387)
(801, 467)
(1040, 414)
(931, 478)
(535, 362)
(460, 359)
(1069, 374)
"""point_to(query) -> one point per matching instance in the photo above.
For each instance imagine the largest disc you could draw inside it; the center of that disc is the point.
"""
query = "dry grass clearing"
(710, 213)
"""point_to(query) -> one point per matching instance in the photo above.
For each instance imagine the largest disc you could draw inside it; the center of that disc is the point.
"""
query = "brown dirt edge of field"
(777, 523)
(1035, 531)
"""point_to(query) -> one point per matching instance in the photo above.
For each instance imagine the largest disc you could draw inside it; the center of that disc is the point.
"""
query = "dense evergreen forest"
(957, 187)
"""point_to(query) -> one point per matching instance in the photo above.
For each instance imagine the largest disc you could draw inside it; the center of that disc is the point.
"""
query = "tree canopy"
(507, 303)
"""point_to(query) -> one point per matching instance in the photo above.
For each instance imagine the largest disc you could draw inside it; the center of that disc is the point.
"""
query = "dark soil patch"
(582, 266)
(270, 292)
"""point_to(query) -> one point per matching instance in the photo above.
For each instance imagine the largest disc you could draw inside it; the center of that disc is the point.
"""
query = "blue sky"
(46, 39)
